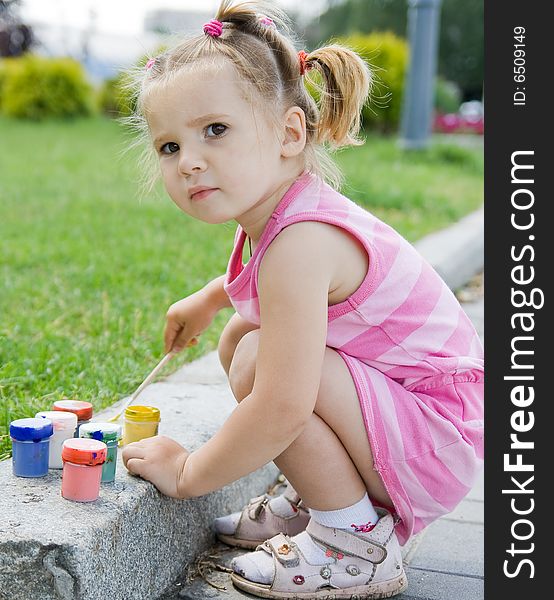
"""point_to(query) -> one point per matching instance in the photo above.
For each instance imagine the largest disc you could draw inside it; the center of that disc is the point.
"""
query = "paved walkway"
(442, 562)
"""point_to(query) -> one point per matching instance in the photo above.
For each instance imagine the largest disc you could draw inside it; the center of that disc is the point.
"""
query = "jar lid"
(83, 451)
(62, 421)
(83, 410)
(142, 413)
(104, 432)
(24, 430)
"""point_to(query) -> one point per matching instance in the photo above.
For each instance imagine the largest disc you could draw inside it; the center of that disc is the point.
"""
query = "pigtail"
(346, 83)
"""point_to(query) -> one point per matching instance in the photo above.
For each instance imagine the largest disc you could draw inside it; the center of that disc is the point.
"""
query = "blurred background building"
(96, 42)
(165, 21)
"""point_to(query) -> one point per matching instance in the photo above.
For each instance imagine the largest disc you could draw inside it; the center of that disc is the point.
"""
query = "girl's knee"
(231, 335)
(243, 365)
(225, 350)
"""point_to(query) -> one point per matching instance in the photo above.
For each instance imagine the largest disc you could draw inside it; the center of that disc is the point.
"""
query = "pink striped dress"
(415, 357)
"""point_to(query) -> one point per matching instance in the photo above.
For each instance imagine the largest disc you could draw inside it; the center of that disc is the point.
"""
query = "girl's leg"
(333, 447)
(285, 513)
(231, 335)
(330, 464)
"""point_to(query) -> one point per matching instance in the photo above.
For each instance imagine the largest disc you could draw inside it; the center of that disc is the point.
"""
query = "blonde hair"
(264, 55)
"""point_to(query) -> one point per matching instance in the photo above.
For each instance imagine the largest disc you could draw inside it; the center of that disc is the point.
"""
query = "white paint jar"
(64, 424)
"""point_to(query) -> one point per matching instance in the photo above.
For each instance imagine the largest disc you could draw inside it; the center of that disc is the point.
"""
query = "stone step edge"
(456, 252)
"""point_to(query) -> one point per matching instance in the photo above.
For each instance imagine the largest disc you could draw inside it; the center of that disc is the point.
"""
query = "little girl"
(355, 369)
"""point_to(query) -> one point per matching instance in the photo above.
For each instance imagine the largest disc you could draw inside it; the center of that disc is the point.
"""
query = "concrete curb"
(132, 542)
(457, 253)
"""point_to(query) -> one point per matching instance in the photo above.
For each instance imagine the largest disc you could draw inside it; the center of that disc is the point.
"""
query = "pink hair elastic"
(304, 66)
(267, 21)
(150, 63)
(213, 28)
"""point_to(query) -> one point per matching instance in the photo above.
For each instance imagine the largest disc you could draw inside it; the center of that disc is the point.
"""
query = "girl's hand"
(187, 319)
(161, 461)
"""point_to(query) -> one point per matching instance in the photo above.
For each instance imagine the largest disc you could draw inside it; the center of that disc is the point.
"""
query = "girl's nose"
(190, 163)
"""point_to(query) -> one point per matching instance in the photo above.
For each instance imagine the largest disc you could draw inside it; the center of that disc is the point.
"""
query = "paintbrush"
(146, 382)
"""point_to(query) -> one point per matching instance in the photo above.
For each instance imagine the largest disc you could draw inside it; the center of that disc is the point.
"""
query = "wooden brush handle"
(150, 377)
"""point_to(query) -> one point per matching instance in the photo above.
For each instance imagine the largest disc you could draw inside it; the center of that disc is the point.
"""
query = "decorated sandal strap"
(256, 506)
(291, 495)
(347, 543)
(294, 499)
(284, 550)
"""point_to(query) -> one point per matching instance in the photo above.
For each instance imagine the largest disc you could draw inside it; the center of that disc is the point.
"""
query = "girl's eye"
(169, 148)
(217, 128)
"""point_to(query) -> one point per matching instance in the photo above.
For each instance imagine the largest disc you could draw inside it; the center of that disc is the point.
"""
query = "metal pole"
(423, 21)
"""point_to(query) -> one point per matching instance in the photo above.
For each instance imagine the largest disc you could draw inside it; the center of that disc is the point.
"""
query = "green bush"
(116, 96)
(448, 96)
(461, 35)
(387, 55)
(37, 88)
(6, 67)
(115, 99)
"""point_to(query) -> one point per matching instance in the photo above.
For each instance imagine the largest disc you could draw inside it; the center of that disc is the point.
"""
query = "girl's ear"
(294, 132)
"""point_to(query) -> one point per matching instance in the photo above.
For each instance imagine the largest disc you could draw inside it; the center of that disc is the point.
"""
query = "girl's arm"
(216, 295)
(190, 316)
(294, 279)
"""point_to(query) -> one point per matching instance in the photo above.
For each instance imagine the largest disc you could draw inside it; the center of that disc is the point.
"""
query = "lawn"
(88, 270)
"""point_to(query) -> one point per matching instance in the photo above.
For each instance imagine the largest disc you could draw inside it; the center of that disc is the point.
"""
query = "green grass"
(88, 271)
(414, 192)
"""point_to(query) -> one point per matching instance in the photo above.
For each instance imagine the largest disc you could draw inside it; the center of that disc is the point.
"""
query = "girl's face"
(207, 135)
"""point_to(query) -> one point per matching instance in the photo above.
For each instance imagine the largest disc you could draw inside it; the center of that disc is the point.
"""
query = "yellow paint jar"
(140, 422)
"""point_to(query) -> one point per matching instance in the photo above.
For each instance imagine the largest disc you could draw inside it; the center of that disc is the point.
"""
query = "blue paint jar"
(30, 446)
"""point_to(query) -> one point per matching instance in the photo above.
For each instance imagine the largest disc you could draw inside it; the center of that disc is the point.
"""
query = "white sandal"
(258, 522)
(365, 566)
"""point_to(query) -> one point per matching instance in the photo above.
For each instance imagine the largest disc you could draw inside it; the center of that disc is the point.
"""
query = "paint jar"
(140, 422)
(110, 434)
(82, 469)
(30, 444)
(64, 428)
(83, 410)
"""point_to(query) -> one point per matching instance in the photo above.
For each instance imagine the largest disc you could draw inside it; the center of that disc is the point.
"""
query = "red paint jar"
(82, 409)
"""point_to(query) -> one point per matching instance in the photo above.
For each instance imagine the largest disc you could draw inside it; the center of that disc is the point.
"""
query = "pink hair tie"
(267, 21)
(213, 28)
(150, 63)
(303, 59)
